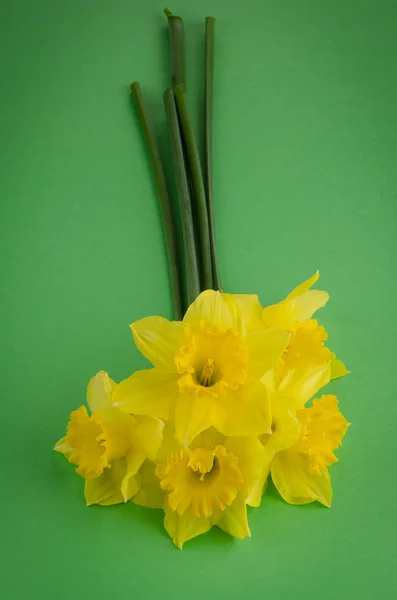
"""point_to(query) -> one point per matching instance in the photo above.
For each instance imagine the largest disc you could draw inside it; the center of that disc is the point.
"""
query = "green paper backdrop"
(305, 179)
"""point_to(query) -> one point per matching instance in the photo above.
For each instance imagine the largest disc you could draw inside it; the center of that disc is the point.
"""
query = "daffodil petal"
(194, 413)
(217, 308)
(247, 411)
(119, 430)
(254, 463)
(234, 519)
(251, 456)
(264, 350)
(303, 384)
(99, 392)
(308, 303)
(258, 487)
(106, 489)
(251, 311)
(130, 487)
(159, 340)
(303, 287)
(133, 462)
(98, 491)
(150, 392)
(148, 435)
(150, 493)
(168, 445)
(279, 316)
(63, 448)
(285, 425)
(131, 482)
(338, 369)
(209, 439)
(182, 528)
(294, 482)
(271, 380)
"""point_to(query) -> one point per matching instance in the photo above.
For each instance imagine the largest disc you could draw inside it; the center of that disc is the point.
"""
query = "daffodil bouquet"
(229, 399)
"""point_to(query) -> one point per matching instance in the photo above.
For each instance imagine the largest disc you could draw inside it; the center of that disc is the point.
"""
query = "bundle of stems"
(193, 263)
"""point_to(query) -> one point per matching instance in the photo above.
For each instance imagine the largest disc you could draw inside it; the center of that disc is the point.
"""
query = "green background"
(305, 179)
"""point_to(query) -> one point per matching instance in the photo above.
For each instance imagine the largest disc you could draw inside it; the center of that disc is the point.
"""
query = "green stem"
(177, 48)
(198, 186)
(164, 199)
(209, 86)
(185, 207)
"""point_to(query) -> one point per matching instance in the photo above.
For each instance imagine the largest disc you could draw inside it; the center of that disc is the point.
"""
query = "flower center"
(200, 480)
(207, 373)
(211, 360)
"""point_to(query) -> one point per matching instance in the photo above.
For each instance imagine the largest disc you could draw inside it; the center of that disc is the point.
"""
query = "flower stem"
(177, 48)
(198, 186)
(164, 199)
(209, 83)
(185, 207)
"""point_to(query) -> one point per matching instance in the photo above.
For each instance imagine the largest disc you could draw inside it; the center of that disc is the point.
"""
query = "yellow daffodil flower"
(204, 485)
(287, 396)
(294, 315)
(207, 370)
(108, 446)
(300, 473)
(302, 440)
